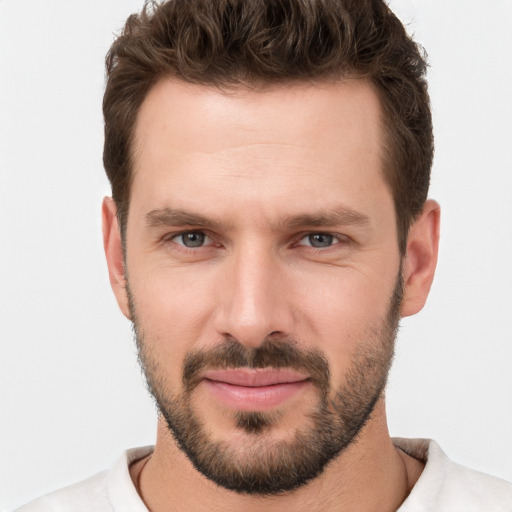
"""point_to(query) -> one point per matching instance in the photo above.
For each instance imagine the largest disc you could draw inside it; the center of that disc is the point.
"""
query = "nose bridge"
(253, 304)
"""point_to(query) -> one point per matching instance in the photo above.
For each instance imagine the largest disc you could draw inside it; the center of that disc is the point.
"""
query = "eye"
(320, 240)
(191, 239)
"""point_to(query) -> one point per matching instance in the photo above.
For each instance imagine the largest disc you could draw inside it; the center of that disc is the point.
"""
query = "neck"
(370, 475)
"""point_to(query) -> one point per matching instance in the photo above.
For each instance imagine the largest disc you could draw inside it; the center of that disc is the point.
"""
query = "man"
(269, 226)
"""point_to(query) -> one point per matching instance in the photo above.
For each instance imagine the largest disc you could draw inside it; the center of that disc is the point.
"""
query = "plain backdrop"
(71, 394)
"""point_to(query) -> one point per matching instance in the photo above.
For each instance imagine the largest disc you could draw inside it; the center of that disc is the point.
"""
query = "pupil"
(320, 240)
(193, 239)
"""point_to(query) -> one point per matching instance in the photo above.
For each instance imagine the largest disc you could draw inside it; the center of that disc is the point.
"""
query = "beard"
(263, 465)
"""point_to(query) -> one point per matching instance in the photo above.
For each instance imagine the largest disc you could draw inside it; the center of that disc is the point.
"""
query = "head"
(269, 164)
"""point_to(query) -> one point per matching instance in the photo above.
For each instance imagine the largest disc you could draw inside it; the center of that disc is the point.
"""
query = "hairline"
(262, 85)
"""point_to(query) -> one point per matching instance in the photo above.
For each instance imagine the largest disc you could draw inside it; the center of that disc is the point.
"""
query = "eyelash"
(337, 240)
(172, 239)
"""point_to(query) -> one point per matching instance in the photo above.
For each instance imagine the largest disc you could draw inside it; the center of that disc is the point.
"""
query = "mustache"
(275, 352)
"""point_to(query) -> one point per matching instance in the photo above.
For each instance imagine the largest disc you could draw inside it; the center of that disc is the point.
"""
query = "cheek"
(172, 308)
(341, 314)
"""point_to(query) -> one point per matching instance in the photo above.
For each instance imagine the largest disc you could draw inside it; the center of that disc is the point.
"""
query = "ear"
(114, 253)
(421, 258)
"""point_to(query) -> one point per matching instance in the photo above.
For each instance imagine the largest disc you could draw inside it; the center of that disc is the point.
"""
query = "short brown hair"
(225, 43)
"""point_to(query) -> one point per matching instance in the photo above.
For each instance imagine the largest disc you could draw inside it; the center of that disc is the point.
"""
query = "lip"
(247, 389)
(255, 377)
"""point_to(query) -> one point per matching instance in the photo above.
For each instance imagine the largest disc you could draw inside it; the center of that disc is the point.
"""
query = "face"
(263, 274)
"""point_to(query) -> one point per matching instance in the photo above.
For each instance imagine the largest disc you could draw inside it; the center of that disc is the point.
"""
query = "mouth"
(258, 389)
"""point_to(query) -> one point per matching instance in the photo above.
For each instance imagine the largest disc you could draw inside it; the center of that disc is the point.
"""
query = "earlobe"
(114, 253)
(421, 258)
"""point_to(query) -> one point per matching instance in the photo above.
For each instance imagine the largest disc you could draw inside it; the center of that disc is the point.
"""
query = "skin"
(249, 161)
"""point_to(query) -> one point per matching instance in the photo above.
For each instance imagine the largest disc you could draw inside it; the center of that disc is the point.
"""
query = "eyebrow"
(329, 218)
(166, 217)
(170, 217)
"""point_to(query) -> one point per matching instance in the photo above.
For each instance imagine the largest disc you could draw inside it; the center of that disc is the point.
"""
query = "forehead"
(265, 145)
(185, 113)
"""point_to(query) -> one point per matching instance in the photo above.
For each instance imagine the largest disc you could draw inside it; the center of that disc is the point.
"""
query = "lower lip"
(257, 398)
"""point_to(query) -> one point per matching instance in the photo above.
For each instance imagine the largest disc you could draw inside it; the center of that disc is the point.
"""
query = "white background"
(71, 394)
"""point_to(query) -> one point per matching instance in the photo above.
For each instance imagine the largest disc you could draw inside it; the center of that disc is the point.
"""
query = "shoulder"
(91, 494)
(447, 486)
(108, 491)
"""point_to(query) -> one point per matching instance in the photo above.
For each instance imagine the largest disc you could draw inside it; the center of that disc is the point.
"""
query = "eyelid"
(209, 240)
(339, 239)
(172, 238)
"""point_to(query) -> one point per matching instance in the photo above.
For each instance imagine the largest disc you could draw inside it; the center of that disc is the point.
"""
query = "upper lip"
(255, 377)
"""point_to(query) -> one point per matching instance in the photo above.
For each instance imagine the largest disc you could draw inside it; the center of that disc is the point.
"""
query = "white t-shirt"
(442, 487)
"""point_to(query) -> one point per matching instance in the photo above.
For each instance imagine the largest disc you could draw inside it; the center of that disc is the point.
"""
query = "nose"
(252, 302)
